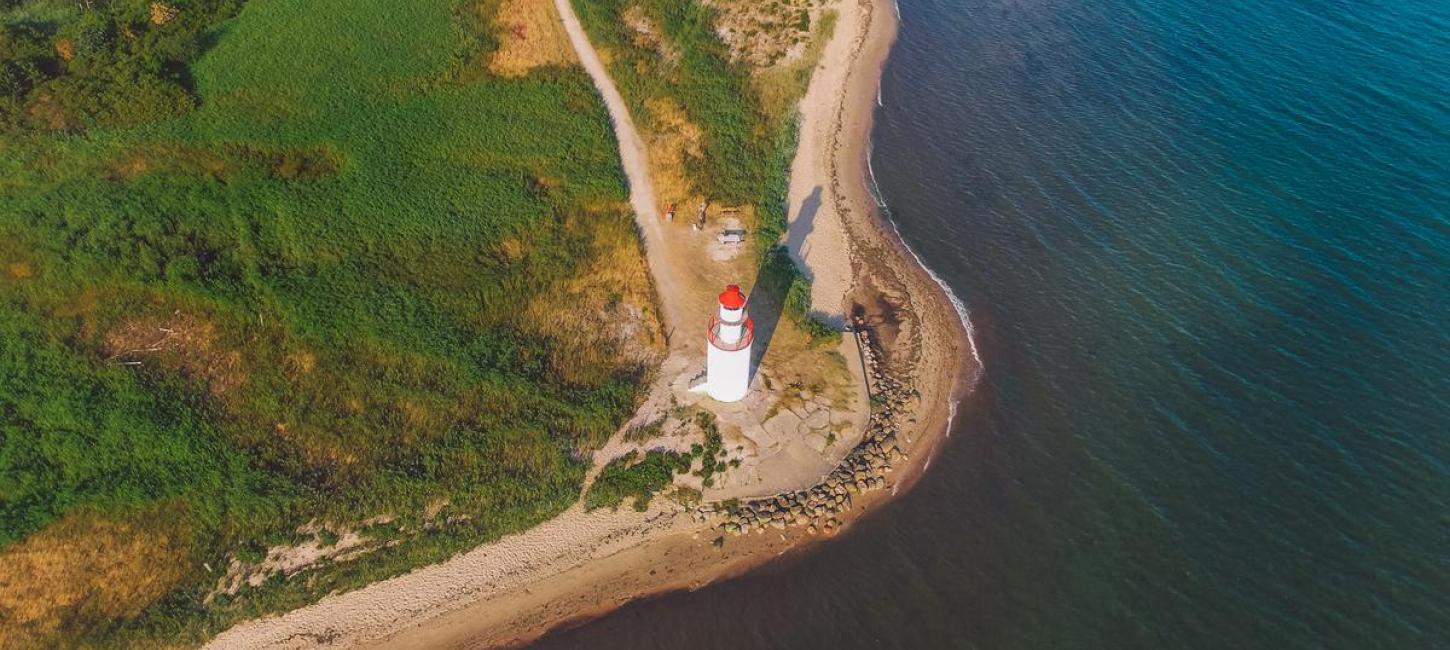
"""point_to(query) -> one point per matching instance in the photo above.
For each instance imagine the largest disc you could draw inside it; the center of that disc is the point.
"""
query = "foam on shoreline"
(957, 305)
(963, 315)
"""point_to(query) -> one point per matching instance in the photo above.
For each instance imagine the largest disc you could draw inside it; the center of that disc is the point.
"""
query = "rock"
(757, 435)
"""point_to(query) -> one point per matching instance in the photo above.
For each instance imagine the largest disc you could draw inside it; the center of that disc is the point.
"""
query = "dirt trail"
(636, 169)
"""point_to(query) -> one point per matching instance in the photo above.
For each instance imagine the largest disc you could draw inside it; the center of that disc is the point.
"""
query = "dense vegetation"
(710, 452)
(639, 479)
(632, 477)
(287, 262)
(74, 65)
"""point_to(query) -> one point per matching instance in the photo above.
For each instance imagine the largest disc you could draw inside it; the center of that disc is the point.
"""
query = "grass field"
(338, 274)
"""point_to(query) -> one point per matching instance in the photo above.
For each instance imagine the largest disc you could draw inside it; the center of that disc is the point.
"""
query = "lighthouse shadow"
(773, 279)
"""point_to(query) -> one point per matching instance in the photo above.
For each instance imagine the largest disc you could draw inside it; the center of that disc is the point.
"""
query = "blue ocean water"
(1206, 249)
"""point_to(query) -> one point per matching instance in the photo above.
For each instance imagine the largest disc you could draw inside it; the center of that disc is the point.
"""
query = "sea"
(1204, 246)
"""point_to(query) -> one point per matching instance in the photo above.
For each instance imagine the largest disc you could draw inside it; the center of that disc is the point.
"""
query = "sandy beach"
(582, 564)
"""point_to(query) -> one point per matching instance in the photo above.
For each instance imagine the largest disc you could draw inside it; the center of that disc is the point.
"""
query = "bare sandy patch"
(766, 33)
(179, 342)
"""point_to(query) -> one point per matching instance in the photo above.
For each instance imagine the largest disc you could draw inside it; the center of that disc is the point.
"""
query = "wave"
(872, 187)
(963, 315)
(961, 308)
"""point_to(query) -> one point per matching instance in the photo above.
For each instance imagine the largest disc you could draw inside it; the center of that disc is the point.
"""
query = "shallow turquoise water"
(1206, 249)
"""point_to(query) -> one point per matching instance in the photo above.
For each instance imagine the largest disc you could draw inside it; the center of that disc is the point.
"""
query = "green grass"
(354, 229)
(632, 477)
(779, 270)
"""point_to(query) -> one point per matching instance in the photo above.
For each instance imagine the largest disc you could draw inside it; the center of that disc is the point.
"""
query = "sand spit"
(581, 564)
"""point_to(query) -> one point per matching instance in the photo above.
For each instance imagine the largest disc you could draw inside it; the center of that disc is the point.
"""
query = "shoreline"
(579, 566)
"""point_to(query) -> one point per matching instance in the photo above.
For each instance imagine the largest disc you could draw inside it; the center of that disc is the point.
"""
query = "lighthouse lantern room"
(727, 348)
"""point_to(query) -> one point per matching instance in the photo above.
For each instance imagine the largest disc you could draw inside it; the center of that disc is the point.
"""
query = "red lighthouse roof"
(732, 298)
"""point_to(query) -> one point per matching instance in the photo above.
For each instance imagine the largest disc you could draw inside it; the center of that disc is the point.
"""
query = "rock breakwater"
(864, 468)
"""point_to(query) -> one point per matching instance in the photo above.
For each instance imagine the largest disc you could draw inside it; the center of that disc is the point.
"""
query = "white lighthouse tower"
(727, 348)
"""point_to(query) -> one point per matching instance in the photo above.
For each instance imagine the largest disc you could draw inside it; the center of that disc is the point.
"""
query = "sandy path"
(816, 234)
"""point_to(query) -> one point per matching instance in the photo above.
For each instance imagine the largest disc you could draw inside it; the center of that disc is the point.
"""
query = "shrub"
(629, 477)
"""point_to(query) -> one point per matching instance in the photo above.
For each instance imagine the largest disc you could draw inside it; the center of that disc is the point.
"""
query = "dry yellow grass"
(604, 319)
(672, 141)
(531, 36)
(151, 157)
(764, 34)
(780, 86)
(85, 567)
(15, 260)
(793, 360)
(648, 35)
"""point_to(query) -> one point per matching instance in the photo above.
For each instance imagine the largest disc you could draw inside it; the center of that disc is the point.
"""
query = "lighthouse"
(727, 348)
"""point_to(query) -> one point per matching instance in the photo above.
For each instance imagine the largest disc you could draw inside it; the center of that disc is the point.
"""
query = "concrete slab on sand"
(792, 448)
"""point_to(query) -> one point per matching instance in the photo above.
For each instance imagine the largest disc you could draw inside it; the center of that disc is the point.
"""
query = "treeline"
(103, 63)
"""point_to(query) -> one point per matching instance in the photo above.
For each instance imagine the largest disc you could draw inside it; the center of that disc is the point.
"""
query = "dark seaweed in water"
(1207, 250)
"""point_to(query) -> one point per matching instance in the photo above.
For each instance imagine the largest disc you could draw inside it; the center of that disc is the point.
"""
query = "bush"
(103, 65)
(624, 478)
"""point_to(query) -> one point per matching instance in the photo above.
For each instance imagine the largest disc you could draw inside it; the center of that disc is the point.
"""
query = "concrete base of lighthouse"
(798, 418)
